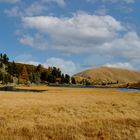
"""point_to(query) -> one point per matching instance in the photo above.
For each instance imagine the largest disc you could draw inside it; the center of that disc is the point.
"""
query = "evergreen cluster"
(11, 72)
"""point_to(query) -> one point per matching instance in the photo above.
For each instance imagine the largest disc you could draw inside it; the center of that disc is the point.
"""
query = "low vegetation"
(70, 114)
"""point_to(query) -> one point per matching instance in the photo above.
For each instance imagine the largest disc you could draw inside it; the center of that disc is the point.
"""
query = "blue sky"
(71, 34)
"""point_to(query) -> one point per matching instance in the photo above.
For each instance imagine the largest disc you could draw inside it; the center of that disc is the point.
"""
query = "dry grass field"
(70, 114)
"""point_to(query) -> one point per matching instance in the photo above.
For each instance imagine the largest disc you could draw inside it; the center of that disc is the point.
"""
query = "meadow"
(69, 114)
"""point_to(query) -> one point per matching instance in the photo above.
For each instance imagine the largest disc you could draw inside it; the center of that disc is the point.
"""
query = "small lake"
(13, 89)
(78, 86)
(103, 87)
(128, 89)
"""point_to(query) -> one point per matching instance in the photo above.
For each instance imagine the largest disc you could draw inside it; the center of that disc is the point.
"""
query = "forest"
(17, 73)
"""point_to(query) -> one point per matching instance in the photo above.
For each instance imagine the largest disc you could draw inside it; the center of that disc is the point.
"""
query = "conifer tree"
(13, 70)
(73, 80)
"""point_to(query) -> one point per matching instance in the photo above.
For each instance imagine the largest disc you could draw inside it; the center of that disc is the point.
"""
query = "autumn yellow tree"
(24, 77)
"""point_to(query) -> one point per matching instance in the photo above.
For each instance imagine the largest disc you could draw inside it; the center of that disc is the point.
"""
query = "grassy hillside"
(70, 114)
(30, 68)
(109, 75)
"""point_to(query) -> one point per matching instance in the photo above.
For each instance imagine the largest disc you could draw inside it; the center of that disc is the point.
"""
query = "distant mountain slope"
(109, 75)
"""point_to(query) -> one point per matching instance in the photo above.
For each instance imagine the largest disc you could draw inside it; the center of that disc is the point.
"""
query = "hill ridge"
(108, 75)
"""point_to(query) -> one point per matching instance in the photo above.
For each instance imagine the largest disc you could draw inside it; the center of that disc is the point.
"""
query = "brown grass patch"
(70, 114)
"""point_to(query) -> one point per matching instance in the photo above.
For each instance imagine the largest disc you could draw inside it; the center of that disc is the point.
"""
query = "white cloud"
(46, 23)
(84, 33)
(78, 34)
(121, 65)
(127, 47)
(66, 66)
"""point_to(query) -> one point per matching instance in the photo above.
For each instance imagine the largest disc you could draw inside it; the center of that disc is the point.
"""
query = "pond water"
(105, 87)
(128, 89)
(13, 89)
(79, 86)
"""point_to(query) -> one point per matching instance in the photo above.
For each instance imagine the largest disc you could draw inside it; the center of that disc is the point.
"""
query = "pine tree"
(62, 79)
(13, 70)
(73, 80)
(44, 76)
(67, 79)
(38, 68)
(5, 59)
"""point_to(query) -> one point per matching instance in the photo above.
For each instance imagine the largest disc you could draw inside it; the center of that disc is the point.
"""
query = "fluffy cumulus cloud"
(85, 33)
(127, 47)
(82, 33)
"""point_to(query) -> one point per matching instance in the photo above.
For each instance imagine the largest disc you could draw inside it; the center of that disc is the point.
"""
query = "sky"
(72, 35)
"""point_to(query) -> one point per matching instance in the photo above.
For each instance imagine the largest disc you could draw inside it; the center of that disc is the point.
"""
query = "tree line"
(11, 72)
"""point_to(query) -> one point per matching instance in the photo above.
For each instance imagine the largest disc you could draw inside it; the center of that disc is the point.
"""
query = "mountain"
(108, 75)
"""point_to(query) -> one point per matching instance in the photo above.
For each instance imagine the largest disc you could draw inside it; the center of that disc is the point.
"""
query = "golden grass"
(70, 114)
